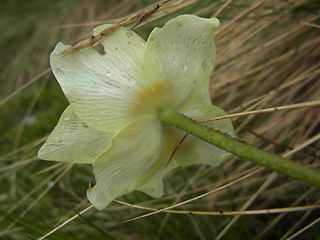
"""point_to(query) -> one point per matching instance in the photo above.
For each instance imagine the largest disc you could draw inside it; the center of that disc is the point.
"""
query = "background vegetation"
(267, 55)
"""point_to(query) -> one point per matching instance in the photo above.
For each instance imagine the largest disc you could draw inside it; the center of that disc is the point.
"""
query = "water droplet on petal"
(185, 68)
(108, 73)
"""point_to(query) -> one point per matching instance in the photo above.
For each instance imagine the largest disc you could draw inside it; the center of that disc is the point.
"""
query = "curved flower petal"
(72, 141)
(182, 53)
(154, 186)
(135, 156)
(203, 98)
(100, 86)
(196, 151)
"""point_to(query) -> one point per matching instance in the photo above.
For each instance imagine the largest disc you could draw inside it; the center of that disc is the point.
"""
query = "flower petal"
(73, 141)
(203, 98)
(183, 54)
(196, 151)
(100, 86)
(135, 156)
(154, 186)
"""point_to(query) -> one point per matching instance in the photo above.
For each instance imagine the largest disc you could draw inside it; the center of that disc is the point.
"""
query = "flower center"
(146, 101)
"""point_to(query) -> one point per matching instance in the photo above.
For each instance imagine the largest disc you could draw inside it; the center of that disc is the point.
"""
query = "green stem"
(241, 149)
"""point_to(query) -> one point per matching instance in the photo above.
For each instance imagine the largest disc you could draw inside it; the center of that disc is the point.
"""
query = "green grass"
(269, 57)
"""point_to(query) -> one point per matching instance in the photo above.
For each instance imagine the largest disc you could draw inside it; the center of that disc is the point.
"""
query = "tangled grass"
(267, 56)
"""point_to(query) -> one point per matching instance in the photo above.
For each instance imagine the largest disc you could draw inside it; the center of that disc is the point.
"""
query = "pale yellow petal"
(182, 53)
(73, 141)
(196, 151)
(100, 86)
(133, 160)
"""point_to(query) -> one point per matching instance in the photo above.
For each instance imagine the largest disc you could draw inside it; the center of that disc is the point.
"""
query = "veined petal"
(100, 86)
(135, 156)
(154, 186)
(202, 98)
(196, 151)
(73, 141)
(183, 54)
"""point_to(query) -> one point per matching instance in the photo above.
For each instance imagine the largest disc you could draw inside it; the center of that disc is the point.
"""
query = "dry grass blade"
(18, 165)
(267, 55)
(227, 213)
(65, 223)
(39, 197)
(304, 229)
(311, 25)
(29, 194)
(198, 197)
(240, 16)
(268, 110)
(138, 18)
(37, 77)
(223, 7)
(273, 223)
(265, 185)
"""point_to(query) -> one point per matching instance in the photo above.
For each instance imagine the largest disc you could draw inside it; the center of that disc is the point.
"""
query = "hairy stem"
(241, 149)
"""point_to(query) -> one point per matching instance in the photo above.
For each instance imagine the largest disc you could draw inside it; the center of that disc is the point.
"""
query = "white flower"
(111, 121)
